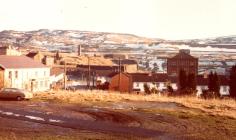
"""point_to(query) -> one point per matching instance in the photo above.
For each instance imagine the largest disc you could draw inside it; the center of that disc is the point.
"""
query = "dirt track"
(126, 119)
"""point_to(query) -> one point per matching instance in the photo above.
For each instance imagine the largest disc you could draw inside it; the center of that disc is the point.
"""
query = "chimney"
(187, 51)
(79, 50)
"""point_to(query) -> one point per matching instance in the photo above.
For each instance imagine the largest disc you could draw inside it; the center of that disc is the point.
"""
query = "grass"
(222, 107)
(193, 118)
(71, 136)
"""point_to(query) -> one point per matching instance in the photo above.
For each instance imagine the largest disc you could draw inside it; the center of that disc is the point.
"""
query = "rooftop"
(10, 62)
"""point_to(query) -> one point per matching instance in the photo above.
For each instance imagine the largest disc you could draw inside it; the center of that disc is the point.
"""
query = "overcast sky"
(168, 19)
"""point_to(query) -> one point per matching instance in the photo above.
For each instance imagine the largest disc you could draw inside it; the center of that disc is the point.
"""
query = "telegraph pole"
(89, 74)
(119, 74)
(64, 74)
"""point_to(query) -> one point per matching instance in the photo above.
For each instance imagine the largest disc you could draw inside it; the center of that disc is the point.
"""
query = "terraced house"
(23, 73)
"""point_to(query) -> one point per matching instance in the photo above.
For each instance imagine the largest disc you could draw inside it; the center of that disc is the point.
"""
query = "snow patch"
(7, 113)
(17, 115)
(35, 118)
(57, 121)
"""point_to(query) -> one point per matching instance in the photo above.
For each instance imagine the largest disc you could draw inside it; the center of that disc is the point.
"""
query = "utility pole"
(119, 74)
(64, 74)
(89, 74)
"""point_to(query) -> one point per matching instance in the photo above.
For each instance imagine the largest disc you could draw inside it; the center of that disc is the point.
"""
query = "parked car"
(14, 93)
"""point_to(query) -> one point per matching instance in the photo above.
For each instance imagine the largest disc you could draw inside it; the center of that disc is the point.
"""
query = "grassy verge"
(222, 107)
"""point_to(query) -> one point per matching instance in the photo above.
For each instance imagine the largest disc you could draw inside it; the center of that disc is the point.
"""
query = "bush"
(147, 89)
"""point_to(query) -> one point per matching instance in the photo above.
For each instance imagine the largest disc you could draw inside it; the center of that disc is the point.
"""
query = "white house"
(202, 84)
(154, 80)
(24, 73)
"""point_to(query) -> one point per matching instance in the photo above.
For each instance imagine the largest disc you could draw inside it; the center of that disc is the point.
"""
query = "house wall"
(103, 79)
(56, 78)
(131, 68)
(33, 79)
(9, 51)
(224, 90)
(175, 65)
(1, 78)
(38, 57)
(49, 61)
(174, 86)
(159, 85)
(125, 83)
(140, 85)
(200, 89)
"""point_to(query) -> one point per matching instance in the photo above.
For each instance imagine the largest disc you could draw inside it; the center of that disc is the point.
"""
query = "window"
(41, 83)
(137, 84)
(224, 88)
(10, 75)
(36, 74)
(16, 74)
(45, 73)
(46, 83)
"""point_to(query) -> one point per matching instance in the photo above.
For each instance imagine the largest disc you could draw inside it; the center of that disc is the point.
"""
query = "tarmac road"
(19, 111)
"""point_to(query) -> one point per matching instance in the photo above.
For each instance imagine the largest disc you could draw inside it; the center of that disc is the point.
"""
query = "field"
(110, 115)
(221, 107)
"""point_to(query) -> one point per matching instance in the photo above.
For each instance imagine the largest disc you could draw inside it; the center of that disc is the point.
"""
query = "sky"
(167, 19)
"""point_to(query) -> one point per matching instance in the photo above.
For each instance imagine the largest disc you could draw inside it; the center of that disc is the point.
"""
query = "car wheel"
(18, 98)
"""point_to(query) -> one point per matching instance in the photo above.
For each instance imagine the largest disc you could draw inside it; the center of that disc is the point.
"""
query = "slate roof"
(11, 62)
(31, 54)
(183, 55)
(56, 71)
(204, 81)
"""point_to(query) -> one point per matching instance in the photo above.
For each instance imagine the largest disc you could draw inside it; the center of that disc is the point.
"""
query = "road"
(98, 120)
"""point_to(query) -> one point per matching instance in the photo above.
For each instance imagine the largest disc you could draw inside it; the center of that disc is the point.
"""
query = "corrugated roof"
(8, 62)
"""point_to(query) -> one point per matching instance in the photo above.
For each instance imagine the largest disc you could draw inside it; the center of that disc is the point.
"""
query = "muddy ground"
(38, 119)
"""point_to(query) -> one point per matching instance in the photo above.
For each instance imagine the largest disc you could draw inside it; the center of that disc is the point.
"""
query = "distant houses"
(202, 84)
(128, 64)
(38, 72)
(9, 50)
(99, 74)
(134, 82)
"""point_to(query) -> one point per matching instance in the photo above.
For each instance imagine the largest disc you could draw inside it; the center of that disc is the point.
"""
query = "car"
(15, 93)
